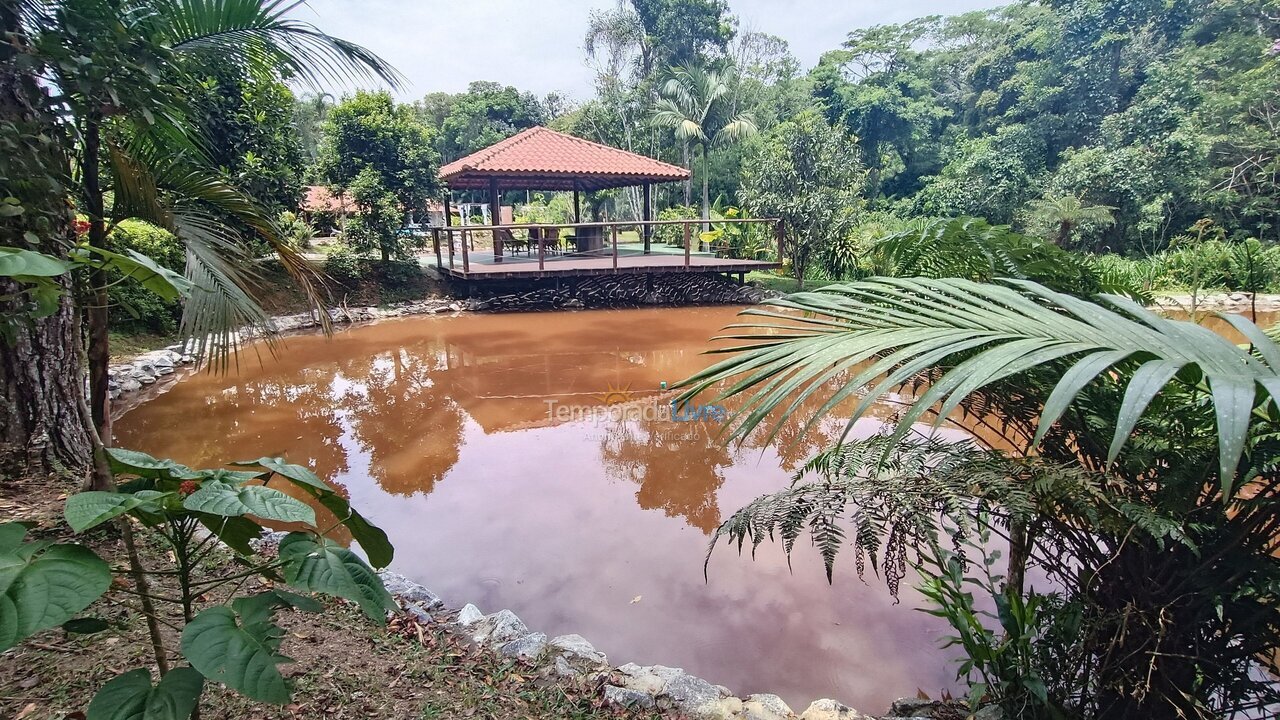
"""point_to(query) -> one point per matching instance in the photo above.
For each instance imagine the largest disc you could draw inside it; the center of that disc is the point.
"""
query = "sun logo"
(616, 396)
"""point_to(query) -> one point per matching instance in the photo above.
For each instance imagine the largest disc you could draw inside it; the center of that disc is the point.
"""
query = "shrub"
(344, 265)
(143, 311)
(297, 231)
(397, 274)
(673, 235)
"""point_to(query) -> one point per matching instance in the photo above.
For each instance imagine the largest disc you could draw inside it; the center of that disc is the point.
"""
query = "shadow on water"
(531, 462)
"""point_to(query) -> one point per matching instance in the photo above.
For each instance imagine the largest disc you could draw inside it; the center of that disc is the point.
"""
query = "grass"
(783, 284)
(127, 346)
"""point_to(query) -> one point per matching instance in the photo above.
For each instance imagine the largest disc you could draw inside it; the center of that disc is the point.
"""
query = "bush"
(673, 235)
(397, 274)
(344, 265)
(143, 311)
(297, 232)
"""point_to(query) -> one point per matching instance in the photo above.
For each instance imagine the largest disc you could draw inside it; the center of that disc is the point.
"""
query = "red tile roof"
(542, 159)
(319, 199)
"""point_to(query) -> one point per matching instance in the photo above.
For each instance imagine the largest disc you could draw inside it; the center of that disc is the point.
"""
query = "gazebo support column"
(577, 203)
(495, 217)
(647, 216)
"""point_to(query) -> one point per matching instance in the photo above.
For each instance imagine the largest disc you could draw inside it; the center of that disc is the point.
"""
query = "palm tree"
(1128, 456)
(118, 68)
(1067, 212)
(693, 103)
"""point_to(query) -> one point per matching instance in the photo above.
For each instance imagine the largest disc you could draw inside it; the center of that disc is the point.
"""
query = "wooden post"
(780, 232)
(466, 259)
(647, 216)
(688, 238)
(542, 247)
(448, 234)
(448, 209)
(615, 248)
(435, 241)
(577, 204)
(495, 217)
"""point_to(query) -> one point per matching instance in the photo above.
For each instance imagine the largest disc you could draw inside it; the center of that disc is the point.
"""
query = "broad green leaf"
(45, 585)
(234, 532)
(240, 651)
(320, 565)
(89, 509)
(147, 272)
(1148, 380)
(141, 464)
(132, 697)
(373, 540)
(218, 498)
(15, 262)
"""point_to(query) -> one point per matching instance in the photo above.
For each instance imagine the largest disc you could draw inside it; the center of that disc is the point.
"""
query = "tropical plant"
(1131, 459)
(118, 70)
(227, 637)
(693, 104)
(1064, 213)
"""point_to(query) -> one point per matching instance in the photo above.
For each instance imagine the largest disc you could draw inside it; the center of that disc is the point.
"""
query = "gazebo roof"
(542, 159)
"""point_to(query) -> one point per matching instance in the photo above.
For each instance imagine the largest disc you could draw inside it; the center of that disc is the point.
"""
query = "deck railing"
(465, 233)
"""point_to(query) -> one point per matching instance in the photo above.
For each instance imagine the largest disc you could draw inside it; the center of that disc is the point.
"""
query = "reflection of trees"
(677, 465)
(407, 422)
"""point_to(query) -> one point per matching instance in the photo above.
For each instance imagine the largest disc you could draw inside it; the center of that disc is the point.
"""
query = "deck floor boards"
(483, 265)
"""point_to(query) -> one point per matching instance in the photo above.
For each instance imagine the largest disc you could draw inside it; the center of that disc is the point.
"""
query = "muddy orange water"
(530, 462)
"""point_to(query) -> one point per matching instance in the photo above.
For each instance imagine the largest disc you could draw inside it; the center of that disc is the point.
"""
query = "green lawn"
(778, 283)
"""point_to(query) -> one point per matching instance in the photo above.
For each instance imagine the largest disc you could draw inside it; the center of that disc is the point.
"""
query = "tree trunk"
(706, 197)
(44, 427)
(97, 313)
(688, 183)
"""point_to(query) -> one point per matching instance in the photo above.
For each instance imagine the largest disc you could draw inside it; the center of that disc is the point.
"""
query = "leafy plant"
(226, 637)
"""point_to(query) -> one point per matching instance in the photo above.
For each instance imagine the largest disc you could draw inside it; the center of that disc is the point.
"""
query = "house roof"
(542, 159)
(319, 199)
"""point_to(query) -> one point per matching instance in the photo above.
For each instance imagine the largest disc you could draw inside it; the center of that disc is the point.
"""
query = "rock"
(164, 370)
(529, 647)
(627, 698)
(455, 307)
(696, 698)
(143, 368)
(579, 648)
(469, 615)
(574, 303)
(641, 679)
(831, 710)
(989, 712)
(410, 591)
(765, 707)
(912, 707)
(147, 379)
(498, 628)
(562, 667)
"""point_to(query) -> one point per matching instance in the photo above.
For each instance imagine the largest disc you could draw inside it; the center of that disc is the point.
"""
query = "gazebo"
(542, 159)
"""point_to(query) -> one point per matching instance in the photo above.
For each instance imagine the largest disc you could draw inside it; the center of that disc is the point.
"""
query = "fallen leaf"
(636, 599)
(30, 708)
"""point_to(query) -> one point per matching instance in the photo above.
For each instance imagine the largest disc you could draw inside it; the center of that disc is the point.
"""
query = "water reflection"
(496, 452)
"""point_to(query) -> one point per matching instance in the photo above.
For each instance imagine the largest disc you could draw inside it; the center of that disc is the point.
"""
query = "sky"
(536, 45)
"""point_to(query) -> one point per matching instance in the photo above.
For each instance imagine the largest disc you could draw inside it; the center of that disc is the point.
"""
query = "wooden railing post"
(435, 241)
(781, 232)
(466, 259)
(615, 247)
(688, 238)
(542, 250)
(448, 234)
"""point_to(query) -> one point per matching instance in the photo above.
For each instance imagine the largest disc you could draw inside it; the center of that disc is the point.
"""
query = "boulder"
(469, 615)
(128, 385)
(410, 591)
(627, 698)
(831, 710)
(499, 628)
(766, 707)
(528, 647)
(577, 648)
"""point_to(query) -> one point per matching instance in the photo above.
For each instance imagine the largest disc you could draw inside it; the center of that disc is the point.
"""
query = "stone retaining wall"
(612, 291)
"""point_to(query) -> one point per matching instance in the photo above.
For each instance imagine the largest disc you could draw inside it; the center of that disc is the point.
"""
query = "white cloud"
(443, 45)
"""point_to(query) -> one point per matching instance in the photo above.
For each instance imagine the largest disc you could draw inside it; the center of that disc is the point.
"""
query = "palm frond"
(880, 334)
(262, 35)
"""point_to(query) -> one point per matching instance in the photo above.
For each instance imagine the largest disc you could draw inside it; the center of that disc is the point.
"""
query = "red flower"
(82, 227)
(187, 487)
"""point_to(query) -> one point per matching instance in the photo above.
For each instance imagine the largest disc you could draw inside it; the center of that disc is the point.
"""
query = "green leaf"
(143, 465)
(219, 498)
(373, 540)
(238, 650)
(235, 532)
(320, 565)
(132, 264)
(44, 585)
(132, 697)
(89, 509)
(15, 262)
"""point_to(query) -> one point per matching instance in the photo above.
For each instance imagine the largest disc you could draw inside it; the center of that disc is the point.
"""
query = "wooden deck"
(607, 255)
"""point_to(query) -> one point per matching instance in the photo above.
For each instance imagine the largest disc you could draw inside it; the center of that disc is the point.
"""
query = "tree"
(807, 174)
(1065, 213)
(380, 149)
(1128, 457)
(486, 113)
(123, 122)
(683, 32)
(694, 105)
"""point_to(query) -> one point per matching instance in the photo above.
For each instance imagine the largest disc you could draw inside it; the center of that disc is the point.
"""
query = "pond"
(531, 462)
